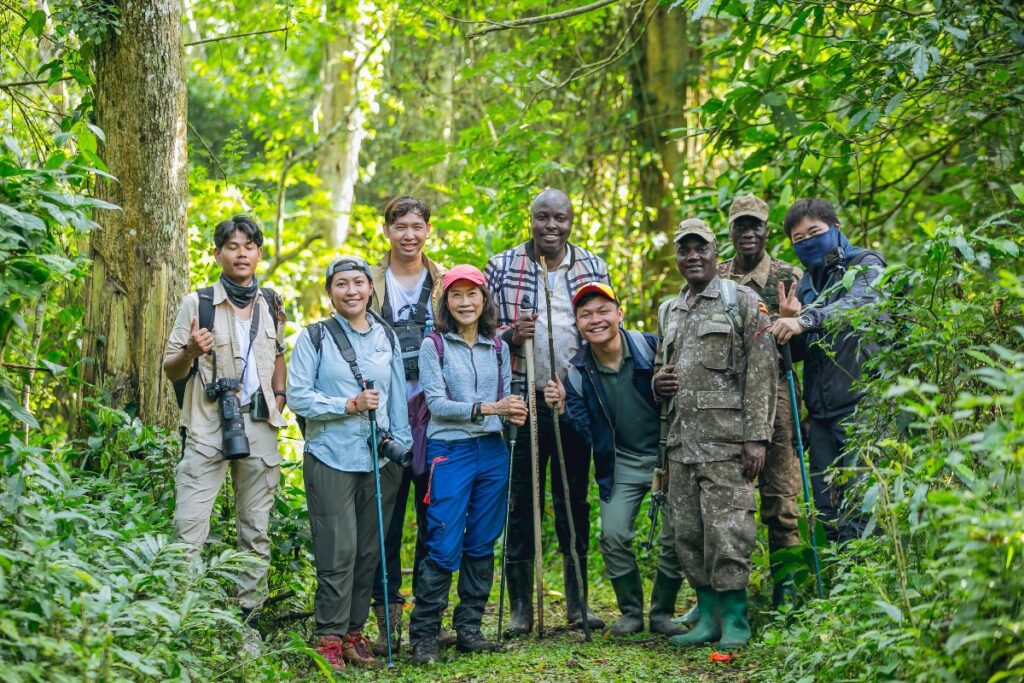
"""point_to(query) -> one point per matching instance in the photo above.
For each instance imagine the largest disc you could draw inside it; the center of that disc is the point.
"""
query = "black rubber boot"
(432, 587)
(476, 574)
(520, 597)
(663, 605)
(629, 592)
(573, 606)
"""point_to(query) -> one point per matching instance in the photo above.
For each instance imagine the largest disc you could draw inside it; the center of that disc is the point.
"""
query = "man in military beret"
(720, 376)
(775, 282)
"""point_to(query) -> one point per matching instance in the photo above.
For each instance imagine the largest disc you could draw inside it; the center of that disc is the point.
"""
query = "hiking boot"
(380, 646)
(707, 629)
(629, 592)
(520, 598)
(355, 647)
(425, 651)
(330, 648)
(573, 605)
(472, 640)
(735, 625)
(663, 604)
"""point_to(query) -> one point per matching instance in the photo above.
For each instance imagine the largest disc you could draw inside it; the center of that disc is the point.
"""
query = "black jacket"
(833, 361)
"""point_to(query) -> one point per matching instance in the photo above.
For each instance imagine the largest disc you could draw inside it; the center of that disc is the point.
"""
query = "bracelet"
(282, 394)
(475, 413)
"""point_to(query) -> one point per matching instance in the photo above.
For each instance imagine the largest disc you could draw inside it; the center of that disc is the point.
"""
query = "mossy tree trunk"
(140, 255)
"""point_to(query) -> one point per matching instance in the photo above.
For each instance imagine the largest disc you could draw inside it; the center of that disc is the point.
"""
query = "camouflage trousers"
(779, 482)
(712, 507)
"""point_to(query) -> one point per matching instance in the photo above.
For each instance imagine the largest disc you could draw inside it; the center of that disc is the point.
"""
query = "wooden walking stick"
(581, 585)
(538, 554)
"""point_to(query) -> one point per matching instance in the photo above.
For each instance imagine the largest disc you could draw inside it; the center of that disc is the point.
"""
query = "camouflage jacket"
(764, 279)
(727, 374)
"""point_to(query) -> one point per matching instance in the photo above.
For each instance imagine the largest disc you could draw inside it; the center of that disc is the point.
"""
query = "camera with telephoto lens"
(392, 450)
(235, 444)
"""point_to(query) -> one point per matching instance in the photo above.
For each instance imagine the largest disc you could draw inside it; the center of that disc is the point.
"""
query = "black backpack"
(331, 327)
(205, 295)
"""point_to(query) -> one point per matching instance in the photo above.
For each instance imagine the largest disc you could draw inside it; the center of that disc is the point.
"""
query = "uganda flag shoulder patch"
(761, 307)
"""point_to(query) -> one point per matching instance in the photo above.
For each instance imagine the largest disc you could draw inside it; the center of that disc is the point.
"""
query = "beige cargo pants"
(197, 481)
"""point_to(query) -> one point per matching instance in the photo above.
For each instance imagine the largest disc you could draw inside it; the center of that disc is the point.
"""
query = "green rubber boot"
(688, 620)
(735, 625)
(707, 629)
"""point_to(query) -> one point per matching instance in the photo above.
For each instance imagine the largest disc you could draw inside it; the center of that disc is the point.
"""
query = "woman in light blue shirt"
(337, 466)
(466, 377)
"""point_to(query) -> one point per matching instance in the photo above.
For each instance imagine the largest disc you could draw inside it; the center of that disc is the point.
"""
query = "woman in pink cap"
(466, 376)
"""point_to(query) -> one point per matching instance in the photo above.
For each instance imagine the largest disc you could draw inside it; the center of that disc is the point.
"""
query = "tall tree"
(140, 262)
(661, 73)
(342, 120)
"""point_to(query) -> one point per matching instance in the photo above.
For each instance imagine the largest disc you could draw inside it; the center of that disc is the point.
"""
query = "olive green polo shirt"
(636, 422)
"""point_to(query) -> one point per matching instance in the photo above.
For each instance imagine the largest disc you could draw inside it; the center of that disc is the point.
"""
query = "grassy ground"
(563, 655)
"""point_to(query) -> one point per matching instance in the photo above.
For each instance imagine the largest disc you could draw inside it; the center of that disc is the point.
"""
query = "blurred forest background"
(129, 129)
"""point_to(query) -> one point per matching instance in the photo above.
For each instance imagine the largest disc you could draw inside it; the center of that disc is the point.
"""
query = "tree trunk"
(661, 76)
(140, 254)
(338, 160)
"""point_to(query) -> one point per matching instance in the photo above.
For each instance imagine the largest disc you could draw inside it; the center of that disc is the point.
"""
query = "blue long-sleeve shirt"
(471, 376)
(319, 385)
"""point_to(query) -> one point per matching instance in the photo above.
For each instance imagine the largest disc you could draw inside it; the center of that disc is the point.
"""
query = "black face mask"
(240, 295)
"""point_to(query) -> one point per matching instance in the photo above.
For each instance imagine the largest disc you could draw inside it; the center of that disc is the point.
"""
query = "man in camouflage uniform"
(774, 281)
(720, 377)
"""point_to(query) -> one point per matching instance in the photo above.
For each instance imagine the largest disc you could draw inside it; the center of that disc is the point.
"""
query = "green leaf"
(1018, 191)
(36, 23)
(892, 610)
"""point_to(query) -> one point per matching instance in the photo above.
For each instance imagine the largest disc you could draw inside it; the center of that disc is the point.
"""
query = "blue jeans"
(466, 494)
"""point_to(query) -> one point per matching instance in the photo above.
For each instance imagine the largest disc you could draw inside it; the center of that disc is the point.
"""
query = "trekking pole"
(574, 553)
(513, 432)
(380, 526)
(787, 361)
(538, 556)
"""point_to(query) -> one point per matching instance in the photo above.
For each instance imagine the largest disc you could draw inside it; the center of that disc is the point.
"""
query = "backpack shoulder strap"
(438, 345)
(205, 308)
(642, 344)
(732, 307)
(501, 380)
(573, 377)
(345, 347)
(316, 335)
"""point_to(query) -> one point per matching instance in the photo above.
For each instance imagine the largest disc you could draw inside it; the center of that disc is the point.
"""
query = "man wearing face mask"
(834, 356)
(779, 482)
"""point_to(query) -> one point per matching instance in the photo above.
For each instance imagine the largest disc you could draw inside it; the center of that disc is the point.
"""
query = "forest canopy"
(129, 131)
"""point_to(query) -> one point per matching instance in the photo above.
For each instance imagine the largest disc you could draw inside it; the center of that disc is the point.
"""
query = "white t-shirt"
(404, 304)
(250, 377)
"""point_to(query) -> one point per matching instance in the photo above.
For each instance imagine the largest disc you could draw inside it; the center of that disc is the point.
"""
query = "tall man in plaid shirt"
(514, 278)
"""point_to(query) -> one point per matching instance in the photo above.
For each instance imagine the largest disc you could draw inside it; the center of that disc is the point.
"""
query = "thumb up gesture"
(200, 340)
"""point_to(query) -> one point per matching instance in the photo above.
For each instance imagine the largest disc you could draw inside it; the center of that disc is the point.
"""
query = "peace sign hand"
(789, 303)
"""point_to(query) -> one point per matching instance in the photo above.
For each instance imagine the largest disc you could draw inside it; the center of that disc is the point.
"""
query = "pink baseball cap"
(463, 272)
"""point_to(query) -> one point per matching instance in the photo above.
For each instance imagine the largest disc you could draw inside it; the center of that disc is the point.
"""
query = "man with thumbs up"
(228, 338)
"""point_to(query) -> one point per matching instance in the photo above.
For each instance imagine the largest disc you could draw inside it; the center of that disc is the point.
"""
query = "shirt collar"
(758, 275)
(480, 339)
(347, 326)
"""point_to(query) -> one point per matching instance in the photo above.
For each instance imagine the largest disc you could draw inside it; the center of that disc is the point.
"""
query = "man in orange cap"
(608, 400)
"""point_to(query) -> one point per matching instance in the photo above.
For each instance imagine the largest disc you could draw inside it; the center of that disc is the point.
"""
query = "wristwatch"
(476, 414)
(806, 321)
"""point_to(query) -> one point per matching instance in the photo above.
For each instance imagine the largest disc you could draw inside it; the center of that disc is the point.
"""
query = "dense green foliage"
(906, 114)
